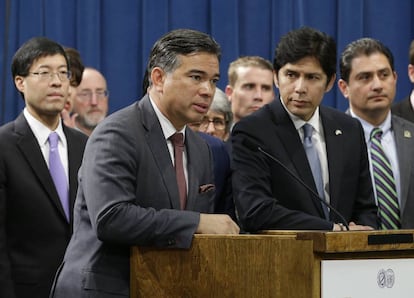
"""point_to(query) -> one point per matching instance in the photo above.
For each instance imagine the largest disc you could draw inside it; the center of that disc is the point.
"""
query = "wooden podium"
(272, 264)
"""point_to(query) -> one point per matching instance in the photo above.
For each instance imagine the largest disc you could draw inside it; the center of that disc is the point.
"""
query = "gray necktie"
(314, 163)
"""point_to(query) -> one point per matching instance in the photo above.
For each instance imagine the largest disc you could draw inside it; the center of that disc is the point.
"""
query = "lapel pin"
(407, 134)
(338, 132)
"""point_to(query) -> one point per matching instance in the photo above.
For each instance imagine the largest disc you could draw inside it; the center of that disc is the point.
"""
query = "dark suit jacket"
(128, 195)
(404, 139)
(34, 232)
(224, 203)
(403, 109)
(267, 197)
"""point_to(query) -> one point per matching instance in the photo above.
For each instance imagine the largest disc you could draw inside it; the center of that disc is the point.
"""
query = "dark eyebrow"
(363, 73)
(200, 72)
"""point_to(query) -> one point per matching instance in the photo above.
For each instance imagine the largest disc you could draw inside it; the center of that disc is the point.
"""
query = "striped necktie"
(389, 211)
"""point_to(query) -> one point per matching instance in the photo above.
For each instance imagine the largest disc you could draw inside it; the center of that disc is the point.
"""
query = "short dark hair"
(304, 42)
(32, 50)
(164, 53)
(363, 46)
(76, 66)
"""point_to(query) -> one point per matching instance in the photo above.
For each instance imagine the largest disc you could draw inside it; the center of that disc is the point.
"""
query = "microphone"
(254, 147)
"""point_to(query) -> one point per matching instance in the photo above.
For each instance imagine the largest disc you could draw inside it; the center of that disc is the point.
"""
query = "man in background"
(250, 85)
(405, 107)
(76, 70)
(317, 145)
(368, 81)
(90, 104)
(39, 162)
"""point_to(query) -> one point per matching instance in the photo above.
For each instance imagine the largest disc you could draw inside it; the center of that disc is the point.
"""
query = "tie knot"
(307, 130)
(376, 133)
(177, 139)
(53, 140)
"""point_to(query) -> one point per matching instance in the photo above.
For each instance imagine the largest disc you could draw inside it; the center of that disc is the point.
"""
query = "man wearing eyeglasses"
(39, 161)
(91, 101)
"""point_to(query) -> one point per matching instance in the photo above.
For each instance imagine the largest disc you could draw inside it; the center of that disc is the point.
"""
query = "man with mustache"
(91, 101)
(368, 81)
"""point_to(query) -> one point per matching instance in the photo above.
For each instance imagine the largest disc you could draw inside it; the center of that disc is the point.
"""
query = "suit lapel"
(404, 145)
(158, 145)
(192, 162)
(30, 149)
(75, 154)
(296, 156)
(334, 143)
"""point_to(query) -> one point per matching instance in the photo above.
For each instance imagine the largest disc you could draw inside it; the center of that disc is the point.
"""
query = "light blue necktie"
(58, 172)
(314, 163)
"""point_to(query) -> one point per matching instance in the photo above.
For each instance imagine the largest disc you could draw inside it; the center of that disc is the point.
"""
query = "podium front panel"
(379, 278)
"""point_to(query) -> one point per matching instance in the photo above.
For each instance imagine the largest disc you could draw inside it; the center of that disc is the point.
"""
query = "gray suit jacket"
(403, 109)
(127, 196)
(404, 139)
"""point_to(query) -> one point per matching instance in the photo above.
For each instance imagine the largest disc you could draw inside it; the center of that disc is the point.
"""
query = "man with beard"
(91, 102)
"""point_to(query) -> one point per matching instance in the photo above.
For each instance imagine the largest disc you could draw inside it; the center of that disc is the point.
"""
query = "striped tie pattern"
(389, 211)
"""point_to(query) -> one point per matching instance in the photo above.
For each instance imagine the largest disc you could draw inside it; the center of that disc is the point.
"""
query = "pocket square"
(206, 187)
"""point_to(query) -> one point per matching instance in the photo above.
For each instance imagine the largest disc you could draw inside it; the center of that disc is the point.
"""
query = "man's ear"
(343, 87)
(157, 78)
(411, 72)
(330, 83)
(229, 91)
(19, 82)
(275, 79)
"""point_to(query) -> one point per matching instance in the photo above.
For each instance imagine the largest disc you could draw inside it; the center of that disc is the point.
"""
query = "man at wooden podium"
(132, 190)
(294, 156)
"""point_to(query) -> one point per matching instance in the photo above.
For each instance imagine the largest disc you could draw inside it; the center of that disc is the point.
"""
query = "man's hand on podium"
(217, 224)
(352, 227)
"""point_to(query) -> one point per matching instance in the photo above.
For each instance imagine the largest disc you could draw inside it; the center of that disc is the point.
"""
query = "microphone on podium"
(255, 147)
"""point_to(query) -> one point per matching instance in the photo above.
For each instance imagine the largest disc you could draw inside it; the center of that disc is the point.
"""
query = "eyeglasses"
(87, 95)
(63, 75)
(218, 123)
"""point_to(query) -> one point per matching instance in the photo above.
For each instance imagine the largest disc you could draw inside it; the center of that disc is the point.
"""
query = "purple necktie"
(58, 172)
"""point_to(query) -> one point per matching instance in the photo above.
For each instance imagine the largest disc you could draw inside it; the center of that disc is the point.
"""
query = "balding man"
(91, 102)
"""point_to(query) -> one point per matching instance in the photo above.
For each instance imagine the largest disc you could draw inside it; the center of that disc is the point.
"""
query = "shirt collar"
(368, 127)
(41, 131)
(298, 122)
(412, 99)
(167, 127)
